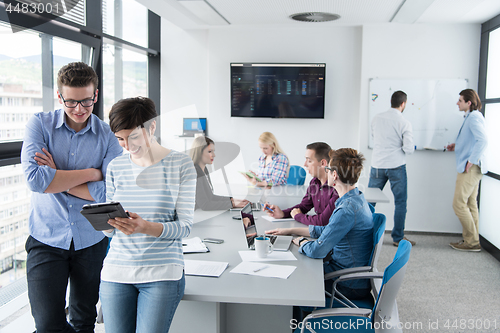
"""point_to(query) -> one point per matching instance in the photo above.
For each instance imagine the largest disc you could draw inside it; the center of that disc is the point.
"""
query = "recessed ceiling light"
(315, 17)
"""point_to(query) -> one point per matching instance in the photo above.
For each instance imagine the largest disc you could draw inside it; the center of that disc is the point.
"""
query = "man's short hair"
(76, 74)
(130, 113)
(321, 150)
(398, 98)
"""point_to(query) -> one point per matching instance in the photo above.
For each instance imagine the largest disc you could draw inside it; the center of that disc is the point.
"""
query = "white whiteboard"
(431, 108)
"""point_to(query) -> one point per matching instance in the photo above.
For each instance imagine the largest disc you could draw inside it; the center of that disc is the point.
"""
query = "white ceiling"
(353, 12)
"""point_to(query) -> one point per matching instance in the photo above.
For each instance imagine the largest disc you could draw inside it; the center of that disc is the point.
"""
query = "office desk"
(244, 303)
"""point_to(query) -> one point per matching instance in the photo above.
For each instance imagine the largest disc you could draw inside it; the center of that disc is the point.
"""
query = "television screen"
(278, 90)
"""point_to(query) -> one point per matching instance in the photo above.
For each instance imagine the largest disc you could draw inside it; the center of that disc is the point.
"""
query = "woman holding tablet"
(348, 237)
(273, 163)
(203, 153)
(142, 280)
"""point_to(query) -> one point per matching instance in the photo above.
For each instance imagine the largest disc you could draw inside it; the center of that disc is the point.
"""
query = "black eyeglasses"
(328, 169)
(84, 102)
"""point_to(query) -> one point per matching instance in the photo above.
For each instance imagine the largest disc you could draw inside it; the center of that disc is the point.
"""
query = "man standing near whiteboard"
(392, 141)
(469, 153)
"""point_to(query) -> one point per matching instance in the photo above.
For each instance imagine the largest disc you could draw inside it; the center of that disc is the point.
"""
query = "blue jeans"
(142, 307)
(48, 270)
(399, 188)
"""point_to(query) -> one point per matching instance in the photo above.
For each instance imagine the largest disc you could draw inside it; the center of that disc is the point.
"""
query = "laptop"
(280, 243)
(192, 126)
(256, 206)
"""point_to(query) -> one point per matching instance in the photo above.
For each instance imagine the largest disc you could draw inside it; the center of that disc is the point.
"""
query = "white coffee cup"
(263, 246)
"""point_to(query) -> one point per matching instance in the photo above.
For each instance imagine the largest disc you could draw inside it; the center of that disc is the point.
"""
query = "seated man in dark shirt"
(319, 196)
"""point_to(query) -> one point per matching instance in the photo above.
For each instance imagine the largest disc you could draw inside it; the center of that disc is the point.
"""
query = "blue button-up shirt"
(471, 142)
(55, 218)
(349, 234)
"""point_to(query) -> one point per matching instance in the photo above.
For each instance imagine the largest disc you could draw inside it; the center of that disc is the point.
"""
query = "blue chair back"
(385, 309)
(378, 238)
(296, 175)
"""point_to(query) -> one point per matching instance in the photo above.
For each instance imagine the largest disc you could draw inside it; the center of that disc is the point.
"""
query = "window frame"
(486, 28)
(91, 35)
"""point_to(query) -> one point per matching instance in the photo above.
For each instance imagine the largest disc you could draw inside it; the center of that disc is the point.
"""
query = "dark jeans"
(48, 270)
(398, 180)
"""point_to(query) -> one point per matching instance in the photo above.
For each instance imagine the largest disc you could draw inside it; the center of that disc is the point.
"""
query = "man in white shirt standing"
(392, 140)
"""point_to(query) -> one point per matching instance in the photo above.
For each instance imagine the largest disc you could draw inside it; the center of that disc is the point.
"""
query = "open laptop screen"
(192, 126)
(249, 223)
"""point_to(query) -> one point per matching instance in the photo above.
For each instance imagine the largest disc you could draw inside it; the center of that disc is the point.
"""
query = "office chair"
(384, 316)
(340, 300)
(296, 175)
(378, 239)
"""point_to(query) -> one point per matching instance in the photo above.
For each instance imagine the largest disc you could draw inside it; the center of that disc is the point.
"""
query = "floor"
(444, 290)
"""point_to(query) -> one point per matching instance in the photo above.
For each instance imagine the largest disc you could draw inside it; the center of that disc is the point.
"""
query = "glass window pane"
(492, 76)
(14, 212)
(492, 120)
(125, 74)
(126, 19)
(64, 52)
(20, 81)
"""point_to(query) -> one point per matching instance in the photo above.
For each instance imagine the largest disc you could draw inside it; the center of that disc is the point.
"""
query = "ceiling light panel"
(460, 11)
(258, 12)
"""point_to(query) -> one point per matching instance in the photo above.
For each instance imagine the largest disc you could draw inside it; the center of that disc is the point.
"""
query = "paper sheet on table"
(266, 270)
(204, 268)
(194, 245)
(273, 256)
(272, 219)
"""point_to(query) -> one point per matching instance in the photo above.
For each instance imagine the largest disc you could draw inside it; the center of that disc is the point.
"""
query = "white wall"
(339, 48)
(196, 73)
(184, 80)
(420, 51)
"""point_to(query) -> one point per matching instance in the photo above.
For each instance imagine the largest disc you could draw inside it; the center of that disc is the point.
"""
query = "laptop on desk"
(192, 126)
(280, 243)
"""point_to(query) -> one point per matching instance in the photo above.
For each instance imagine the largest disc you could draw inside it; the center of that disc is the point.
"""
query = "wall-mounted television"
(272, 90)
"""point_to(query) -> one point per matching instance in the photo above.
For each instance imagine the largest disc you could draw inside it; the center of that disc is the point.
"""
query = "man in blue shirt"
(469, 153)
(64, 157)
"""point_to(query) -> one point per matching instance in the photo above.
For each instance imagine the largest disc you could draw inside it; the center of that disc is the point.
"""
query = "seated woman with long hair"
(203, 153)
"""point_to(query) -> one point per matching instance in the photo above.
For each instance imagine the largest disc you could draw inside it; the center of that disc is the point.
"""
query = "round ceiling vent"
(315, 17)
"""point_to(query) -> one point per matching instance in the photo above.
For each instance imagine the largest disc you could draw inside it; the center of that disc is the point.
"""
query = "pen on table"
(259, 269)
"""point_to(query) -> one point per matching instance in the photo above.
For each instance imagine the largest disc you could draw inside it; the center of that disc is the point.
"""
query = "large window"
(122, 46)
(125, 74)
(20, 81)
(489, 92)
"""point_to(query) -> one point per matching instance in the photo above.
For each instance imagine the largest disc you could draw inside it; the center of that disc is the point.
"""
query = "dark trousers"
(48, 270)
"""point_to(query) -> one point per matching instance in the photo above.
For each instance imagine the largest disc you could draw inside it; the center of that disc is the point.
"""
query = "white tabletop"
(287, 195)
(303, 287)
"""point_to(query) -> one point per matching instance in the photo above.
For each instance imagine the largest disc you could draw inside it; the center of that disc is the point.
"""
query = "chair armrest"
(361, 275)
(355, 312)
(331, 275)
(335, 312)
(354, 276)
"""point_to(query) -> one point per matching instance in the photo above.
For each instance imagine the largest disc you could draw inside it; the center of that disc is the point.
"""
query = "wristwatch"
(303, 239)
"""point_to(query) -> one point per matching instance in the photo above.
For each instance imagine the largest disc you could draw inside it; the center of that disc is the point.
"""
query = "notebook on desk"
(280, 243)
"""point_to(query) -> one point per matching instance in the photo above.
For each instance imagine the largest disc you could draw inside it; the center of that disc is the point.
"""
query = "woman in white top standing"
(142, 280)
